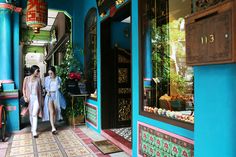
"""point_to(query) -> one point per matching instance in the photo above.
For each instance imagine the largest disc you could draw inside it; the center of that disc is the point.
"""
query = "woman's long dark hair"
(33, 68)
(53, 69)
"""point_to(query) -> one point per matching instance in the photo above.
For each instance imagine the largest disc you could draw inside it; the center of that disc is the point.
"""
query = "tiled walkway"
(68, 143)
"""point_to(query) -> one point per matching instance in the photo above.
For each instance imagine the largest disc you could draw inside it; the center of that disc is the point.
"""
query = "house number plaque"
(210, 35)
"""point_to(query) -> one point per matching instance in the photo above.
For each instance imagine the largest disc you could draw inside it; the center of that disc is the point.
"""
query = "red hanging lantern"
(36, 14)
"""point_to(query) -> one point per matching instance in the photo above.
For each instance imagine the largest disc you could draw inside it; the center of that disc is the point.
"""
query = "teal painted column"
(16, 49)
(215, 108)
(6, 43)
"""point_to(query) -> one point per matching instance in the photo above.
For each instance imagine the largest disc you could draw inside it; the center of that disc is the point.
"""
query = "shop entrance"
(116, 70)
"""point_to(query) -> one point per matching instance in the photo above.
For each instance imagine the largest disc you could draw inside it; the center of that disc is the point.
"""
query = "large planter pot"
(77, 120)
(73, 86)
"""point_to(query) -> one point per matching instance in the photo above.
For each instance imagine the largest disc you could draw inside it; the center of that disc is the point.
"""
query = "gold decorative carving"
(122, 59)
(122, 75)
(124, 109)
(124, 90)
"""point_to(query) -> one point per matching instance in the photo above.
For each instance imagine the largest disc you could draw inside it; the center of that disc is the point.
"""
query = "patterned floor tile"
(47, 147)
(26, 155)
(3, 145)
(22, 137)
(21, 150)
(88, 156)
(87, 141)
(45, 135)
(19, 143)
(65, 144)
(51, 154)
(66, 136)
(61, 139)
(74, 152)
(3, 151)
(41, 140)
(71, 144)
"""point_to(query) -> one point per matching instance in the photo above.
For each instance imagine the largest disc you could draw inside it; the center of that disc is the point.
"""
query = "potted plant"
(77, 112)
(70, 69)
(72, 83)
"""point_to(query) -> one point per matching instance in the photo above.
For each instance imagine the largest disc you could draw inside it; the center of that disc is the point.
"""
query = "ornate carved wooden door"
(123, 87)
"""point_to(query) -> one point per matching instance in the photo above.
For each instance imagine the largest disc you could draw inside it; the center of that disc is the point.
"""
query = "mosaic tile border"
(92, 115)
(153, 141)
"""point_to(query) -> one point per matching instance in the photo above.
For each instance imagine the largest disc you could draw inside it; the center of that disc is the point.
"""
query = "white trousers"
(33, 113)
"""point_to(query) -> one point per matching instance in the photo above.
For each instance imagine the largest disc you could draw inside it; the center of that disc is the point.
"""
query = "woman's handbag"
(24, 107)
(24, 111)
(23, 103)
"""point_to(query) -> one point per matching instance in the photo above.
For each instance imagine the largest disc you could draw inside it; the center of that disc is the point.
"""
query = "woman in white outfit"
(32, 92)
(54, 99)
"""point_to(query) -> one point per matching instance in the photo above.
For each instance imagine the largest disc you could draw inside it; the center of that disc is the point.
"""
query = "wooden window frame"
(87, 23)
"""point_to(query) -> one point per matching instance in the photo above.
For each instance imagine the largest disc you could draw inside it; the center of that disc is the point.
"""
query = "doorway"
(116, 72)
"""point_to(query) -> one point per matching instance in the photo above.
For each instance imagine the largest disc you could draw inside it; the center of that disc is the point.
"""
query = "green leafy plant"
(160, 55)
(178, 82)
(68, 65)
(78, 109)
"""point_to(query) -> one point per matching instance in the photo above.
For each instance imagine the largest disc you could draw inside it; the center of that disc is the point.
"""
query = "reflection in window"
(91, 52)
(167, 80)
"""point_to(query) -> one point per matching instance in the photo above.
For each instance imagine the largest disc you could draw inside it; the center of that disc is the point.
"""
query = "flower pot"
(77, 119)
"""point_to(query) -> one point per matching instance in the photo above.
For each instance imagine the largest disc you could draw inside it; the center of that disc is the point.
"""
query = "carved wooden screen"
(123, 87)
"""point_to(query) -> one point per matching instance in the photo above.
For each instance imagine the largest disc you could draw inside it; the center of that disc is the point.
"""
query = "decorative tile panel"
(160, 143)
(91, 114)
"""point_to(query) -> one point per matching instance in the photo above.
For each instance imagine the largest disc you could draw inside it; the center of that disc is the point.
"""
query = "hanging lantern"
(36, 14)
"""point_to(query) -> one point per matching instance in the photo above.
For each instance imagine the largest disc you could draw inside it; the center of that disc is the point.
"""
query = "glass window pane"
(91, 52)
(167, 80)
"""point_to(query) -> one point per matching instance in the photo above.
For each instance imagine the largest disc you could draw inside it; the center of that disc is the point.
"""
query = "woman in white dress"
(54, 99)
(32, 92)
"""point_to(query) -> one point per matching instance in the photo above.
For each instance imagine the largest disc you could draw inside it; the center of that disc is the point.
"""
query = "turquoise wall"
(13, 114)
(135, 89)
(78, 36)
(118, 36)
(215, 124)
(80, 11)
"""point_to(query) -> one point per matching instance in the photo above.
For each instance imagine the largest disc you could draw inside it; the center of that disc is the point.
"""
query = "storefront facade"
(152, 134)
